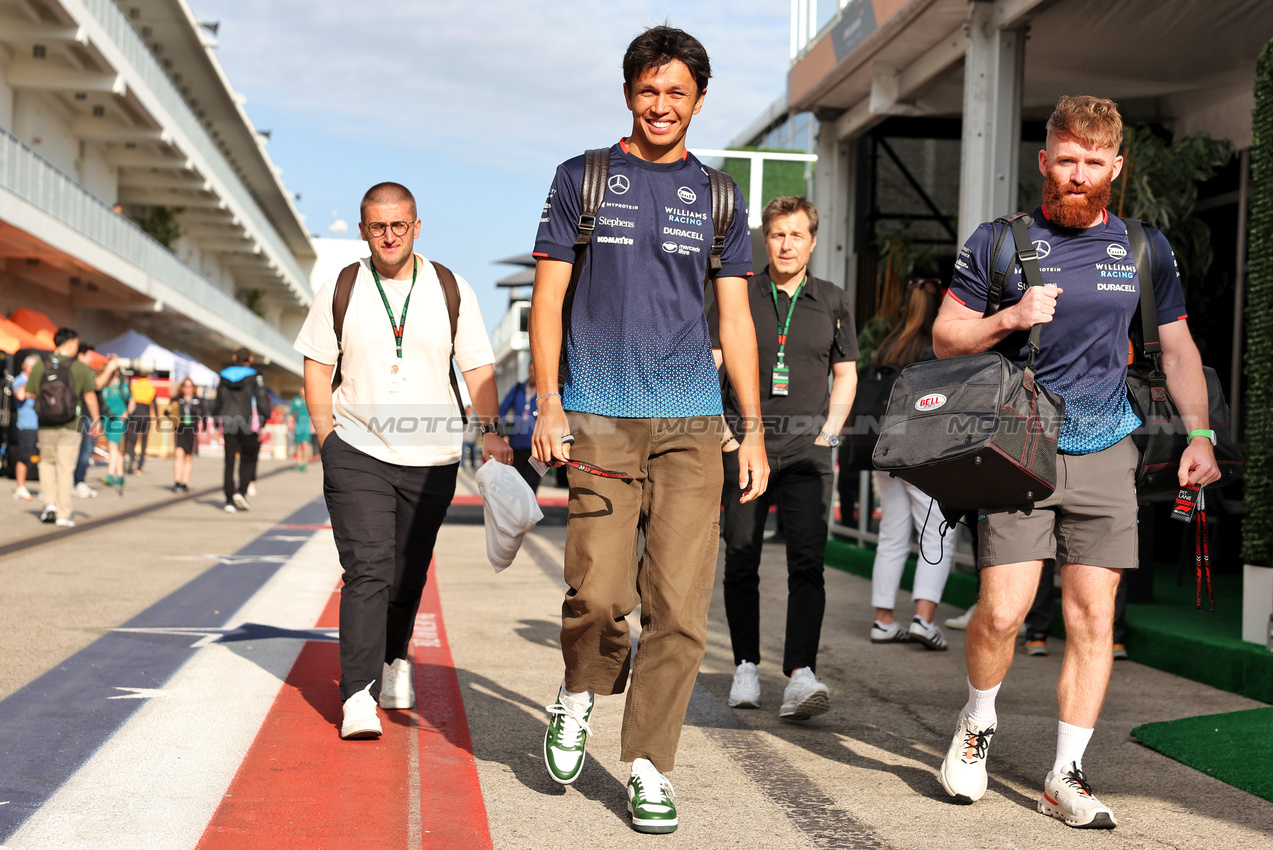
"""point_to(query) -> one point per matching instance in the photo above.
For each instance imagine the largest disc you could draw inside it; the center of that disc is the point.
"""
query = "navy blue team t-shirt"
(1083, 350)
(638, 345)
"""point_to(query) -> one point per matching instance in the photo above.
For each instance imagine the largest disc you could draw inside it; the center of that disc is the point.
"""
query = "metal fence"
(30, 177)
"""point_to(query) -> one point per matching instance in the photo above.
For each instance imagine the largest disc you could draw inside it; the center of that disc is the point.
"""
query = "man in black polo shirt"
(804, 333)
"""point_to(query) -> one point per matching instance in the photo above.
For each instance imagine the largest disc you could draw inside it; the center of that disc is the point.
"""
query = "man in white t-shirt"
(390, 437)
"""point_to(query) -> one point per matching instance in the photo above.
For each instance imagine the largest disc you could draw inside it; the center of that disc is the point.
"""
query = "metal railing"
(33, 179)
(144, 67)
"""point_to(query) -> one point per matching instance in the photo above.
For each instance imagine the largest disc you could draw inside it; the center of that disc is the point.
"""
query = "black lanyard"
(401, 325)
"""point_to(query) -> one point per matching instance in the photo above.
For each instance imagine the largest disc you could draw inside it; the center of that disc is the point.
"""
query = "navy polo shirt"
(638, 343)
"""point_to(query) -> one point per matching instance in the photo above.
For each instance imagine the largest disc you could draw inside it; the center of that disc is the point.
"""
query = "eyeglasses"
(399, 228)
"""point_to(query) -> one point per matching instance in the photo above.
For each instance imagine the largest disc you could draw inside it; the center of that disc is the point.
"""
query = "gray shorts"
(1089, 519)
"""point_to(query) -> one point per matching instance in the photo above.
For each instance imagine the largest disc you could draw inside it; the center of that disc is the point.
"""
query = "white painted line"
(157, 783)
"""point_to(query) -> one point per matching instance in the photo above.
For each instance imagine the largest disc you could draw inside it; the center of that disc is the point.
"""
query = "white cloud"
(510, 84)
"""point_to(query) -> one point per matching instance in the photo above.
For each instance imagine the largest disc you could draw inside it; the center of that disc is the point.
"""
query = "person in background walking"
(187, 413)
(299, 414)
(903, 508)
(59, 441)
(804, 336)
(242, 404)
(520, 402)
(28, 429)
(88, 438)
(119, 405)
(137, 437)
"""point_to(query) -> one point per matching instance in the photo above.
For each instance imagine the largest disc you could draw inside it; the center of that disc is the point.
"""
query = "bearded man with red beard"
(1087, 527)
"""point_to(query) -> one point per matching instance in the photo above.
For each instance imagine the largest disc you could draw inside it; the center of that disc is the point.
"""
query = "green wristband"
(1203, 432)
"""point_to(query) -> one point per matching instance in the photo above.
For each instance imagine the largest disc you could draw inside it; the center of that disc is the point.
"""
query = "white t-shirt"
(409, 417)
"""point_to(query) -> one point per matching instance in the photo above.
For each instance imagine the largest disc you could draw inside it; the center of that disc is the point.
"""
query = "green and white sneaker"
(651, 799)
(566, 740)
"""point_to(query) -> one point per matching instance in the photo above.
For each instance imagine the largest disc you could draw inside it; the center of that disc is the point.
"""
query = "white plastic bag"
(510, 508)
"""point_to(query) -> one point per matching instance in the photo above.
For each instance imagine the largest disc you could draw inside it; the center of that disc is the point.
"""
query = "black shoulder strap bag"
(1161, 438)
(978, 431)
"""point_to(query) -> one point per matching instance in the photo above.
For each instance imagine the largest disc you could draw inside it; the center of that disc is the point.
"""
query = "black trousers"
(248, 448)
(138, 431)
(801, 486)
(385, 519)
(521, 462)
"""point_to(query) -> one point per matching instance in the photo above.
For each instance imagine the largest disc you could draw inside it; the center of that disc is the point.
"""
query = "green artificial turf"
(1167, 634)
(1236, 748)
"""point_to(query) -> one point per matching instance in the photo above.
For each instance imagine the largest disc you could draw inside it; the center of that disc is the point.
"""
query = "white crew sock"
(981, 705)
(1071, 743)
(585, 696)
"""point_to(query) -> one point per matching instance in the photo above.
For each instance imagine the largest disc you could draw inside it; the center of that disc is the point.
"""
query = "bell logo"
(932, 401)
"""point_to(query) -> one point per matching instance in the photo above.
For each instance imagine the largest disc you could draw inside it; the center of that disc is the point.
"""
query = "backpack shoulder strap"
(1150, 344)
(722, 215)
(451, 291)
(340, 306)
(1004, 253)
(596, 173)
(1028, 257)
(596, 176)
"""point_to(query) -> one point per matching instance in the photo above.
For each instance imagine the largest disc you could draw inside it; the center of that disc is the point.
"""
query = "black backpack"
(596, 174)
(55, 401)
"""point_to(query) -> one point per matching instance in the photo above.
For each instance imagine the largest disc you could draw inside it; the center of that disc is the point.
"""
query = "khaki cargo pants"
(675, 501)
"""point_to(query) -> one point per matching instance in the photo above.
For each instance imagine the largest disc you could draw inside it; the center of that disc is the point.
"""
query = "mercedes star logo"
(618, 184)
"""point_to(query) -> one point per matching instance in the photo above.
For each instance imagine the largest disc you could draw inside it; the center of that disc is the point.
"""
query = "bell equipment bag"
(978, 431)
(55, 401)
(1162, 437)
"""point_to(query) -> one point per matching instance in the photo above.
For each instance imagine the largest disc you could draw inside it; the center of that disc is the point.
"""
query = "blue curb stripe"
(54, 725)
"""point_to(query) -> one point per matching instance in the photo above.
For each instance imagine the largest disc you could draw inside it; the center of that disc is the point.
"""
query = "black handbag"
(978, 431)
(870, 403)
(1162, 436)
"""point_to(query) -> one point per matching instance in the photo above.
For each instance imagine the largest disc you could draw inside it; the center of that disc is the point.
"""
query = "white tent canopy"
(139, 347)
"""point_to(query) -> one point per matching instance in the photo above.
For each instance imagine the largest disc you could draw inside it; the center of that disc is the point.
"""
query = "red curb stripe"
(302, 787)
(452, 812)
(469, 501)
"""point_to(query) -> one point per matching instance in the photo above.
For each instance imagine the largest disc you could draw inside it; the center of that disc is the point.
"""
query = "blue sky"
(470, 104)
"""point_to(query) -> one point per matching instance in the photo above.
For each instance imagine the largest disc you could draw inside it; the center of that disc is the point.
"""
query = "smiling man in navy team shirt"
(1088, 526)
(640, 394)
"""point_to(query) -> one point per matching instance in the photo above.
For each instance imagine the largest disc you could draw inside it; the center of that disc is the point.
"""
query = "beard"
(1072, 212)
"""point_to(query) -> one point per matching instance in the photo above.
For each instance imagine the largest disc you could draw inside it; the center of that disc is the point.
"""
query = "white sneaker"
(929, 636)
(83, 491)
(960, 623)
(251, 488)
(230, 509)
(566, 741)
(804, 696)
(963, 771)
(745, 692)
(651, 799)
(361, 720)
(894, 632)
(66, 523)
(22, 494)
(397, 690)
(49, 514)
(242, 503)
(1068, 797)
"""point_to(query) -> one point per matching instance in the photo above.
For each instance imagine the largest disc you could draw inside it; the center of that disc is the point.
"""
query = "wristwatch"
(1203, 432)
(496, 428)
(833, 439)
